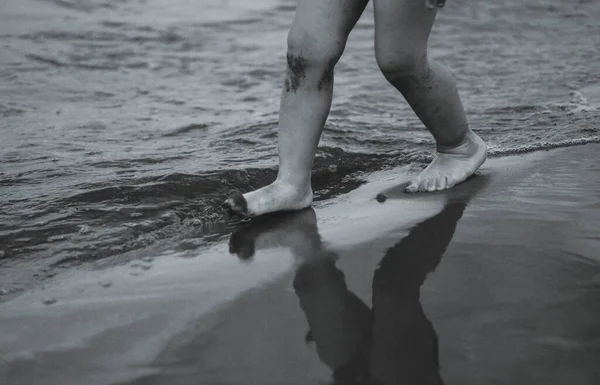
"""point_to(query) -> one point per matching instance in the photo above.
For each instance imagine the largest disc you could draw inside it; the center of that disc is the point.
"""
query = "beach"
(496, 281)
(125, 124)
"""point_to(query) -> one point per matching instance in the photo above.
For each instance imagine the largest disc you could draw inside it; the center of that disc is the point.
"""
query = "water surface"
(125, 122)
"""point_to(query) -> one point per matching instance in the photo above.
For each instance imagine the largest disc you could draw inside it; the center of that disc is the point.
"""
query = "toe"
(431, 184)
(412, 187)
(441, 183)
(424, 185)
(237, 203)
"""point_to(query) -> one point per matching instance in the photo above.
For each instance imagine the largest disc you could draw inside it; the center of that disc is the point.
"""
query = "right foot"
(451, 166)
(275, 197)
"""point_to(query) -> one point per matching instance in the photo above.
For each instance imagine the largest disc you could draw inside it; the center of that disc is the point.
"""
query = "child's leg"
(315, 44)
(402, 30)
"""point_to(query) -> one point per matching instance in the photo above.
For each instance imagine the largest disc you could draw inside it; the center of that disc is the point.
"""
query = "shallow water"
(463, 285)
(125, 122)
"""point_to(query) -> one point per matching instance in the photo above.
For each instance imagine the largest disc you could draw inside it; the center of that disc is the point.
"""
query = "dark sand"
(494, 282)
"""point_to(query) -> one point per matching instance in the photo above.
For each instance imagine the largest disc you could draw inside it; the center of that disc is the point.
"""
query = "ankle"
(297, 185)
(454, 143)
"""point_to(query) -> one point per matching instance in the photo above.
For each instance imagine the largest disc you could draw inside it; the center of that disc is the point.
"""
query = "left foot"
(451, 166)
(278, 196)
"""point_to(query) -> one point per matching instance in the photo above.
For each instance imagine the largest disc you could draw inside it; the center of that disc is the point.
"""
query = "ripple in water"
(126, 122)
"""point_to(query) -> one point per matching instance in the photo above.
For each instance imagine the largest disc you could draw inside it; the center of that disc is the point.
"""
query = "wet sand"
(494, 282)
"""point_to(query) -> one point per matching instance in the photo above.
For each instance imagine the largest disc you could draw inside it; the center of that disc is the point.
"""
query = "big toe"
(237, 203)
(412, 187)
(418, 185)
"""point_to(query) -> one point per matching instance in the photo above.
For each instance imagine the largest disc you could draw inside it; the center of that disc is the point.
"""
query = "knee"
(397, 66)
(313, 49)
(309, 53)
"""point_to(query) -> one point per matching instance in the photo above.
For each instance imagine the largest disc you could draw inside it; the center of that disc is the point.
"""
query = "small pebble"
(381, 197)
(49, 301)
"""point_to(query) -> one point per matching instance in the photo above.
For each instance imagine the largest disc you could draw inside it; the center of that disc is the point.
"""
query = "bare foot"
(452, 166)
(277, 196)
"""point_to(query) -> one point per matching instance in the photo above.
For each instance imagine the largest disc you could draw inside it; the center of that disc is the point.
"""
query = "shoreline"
(519, 262)
(20, 275)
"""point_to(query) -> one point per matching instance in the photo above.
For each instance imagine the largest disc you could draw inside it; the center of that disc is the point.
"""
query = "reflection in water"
(393, 342)
(404, 346)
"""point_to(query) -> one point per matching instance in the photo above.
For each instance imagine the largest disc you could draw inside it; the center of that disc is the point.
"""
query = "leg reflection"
(391, 344)
(294, 230)
(338, 321)
(404, 346)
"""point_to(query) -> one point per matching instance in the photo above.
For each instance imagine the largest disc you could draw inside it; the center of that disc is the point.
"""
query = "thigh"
(324, 20)
(402, 25)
